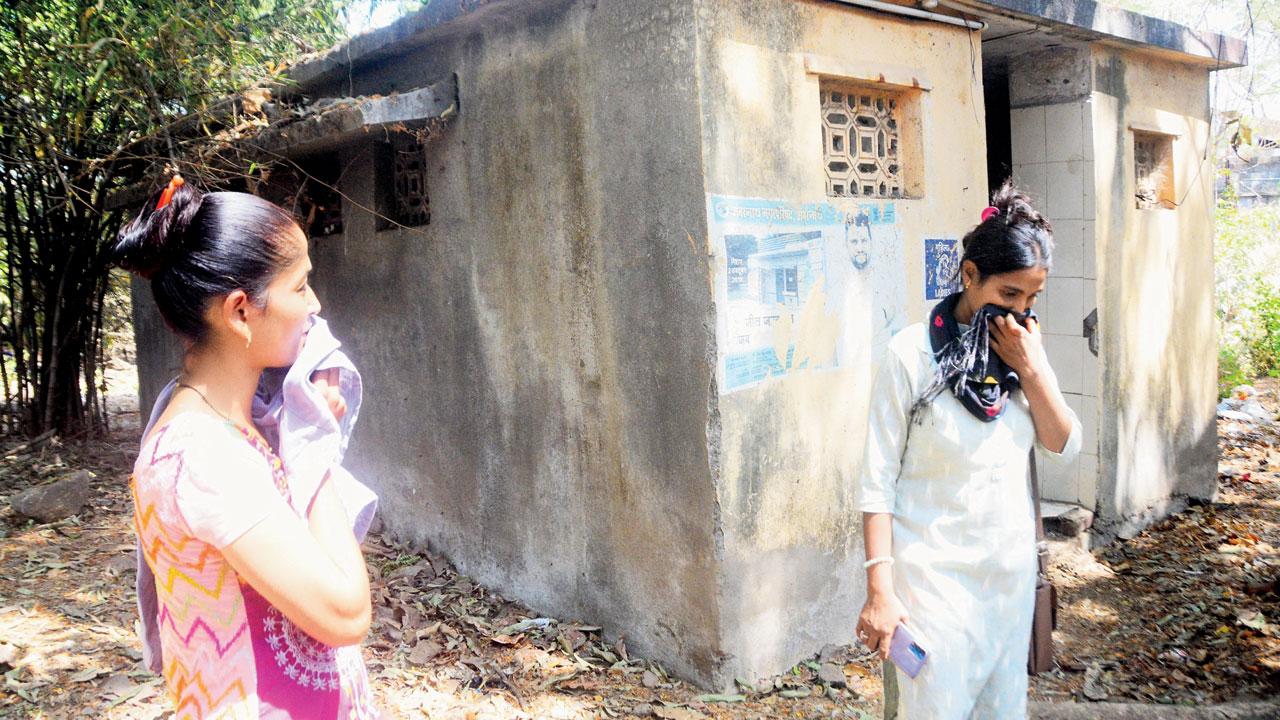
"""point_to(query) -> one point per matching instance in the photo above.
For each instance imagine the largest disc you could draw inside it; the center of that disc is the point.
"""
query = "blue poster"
(941, 268)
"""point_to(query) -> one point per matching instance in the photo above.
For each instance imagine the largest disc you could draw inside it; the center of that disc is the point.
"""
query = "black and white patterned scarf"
(980, 380)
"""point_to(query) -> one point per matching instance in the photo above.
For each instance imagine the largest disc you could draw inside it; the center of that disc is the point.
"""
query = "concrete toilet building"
(617, 275)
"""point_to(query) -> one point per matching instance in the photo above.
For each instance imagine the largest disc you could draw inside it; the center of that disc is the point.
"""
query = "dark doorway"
(995, 96)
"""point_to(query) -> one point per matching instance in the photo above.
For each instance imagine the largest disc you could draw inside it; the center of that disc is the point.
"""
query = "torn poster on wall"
(941, 267)
(802, 286)
(883, 278)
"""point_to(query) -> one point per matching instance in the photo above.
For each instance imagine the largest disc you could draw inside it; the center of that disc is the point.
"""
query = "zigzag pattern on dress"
(194, 700)
(208, 655)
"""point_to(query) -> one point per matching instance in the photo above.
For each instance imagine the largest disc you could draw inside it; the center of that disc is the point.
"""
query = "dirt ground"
(1183, 613)
(1187, 612)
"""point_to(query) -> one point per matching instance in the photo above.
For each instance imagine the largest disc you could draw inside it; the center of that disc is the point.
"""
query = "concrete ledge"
(1209, 49)
(338, 120)
(1267, 710)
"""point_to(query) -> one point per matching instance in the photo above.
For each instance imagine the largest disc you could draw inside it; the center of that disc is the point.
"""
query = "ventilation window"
(1153, 170)
(862, 141)
(402, 172)
(319, 202)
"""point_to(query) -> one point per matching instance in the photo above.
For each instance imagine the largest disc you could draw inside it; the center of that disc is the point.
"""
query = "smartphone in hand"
(905, 652)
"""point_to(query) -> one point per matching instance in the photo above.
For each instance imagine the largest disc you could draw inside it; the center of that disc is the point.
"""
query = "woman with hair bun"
(948, 520)
(260, 607)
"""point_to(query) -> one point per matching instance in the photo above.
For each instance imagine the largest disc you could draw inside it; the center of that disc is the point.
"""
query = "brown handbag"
(1045, 619)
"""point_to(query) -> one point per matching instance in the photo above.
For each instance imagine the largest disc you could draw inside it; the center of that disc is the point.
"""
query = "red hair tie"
(174, 183)
(990, 212)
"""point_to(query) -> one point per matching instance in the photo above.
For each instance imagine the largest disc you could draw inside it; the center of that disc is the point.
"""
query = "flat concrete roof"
(415, 29)
(1076, 19)
(1088, 20)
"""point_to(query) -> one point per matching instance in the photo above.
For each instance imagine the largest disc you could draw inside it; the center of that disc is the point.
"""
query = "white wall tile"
(1090, 373)
(1065, 358)
(1068, 248)
(1027, 134)
(1059, 306)
(1087, 481)
(1064, 132)
(1090, 190)
(1086, 123)
(1088, 299)
(1066, 190)
(1090, 251)
(1058, 482)
(1030, 178)
(1089, 420)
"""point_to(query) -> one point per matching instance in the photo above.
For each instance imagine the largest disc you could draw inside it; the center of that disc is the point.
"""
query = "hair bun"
(155, 237)
(1015, 207)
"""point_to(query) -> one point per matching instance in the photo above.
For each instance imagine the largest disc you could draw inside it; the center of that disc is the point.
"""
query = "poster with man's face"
(877, 282)
(803, 287)
(857, 239)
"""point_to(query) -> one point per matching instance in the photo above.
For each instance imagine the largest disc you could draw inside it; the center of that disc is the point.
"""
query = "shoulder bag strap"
(1041, 547)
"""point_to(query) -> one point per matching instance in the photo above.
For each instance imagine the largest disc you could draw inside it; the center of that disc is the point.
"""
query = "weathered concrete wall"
(1155, 294)
(159, 350)
(543, 401)
(537, 358)
(790, 447)
(1051, 123)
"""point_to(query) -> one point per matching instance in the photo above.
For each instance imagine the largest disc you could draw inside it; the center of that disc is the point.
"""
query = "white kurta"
(963, 535)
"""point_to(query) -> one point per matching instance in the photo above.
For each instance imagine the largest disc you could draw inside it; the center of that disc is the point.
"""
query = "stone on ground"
(55, 501)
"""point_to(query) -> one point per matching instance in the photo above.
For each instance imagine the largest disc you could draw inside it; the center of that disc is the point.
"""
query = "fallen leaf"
(1093, 689)
(1252, 619)
(718, 698)
(795, 693)
(676, 713)
(424, 651)
(86, 675)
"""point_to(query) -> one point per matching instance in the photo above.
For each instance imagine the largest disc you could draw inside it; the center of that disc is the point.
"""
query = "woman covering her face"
(261, 607)
(947, 516)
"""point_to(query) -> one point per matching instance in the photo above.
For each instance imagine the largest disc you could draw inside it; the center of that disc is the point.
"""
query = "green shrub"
(1247, 265)
(1230, 373)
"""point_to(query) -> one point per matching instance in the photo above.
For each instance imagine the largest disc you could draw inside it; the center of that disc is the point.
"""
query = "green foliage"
(1248, 292)
(95, 95)
(1250, 90)
(1230, 373)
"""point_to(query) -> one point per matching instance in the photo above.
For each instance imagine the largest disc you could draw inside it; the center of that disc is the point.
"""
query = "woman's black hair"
(1016, 238)
(204, 245)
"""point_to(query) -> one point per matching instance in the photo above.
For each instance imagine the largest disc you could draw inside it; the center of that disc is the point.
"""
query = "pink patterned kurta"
(198, 485)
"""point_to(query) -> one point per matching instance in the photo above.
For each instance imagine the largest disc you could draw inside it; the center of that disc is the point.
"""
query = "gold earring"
(248, 338)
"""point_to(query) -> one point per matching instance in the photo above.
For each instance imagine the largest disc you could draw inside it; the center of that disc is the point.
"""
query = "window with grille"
(1153, 170)
(402, 180)
(862, 141)
(318, 202)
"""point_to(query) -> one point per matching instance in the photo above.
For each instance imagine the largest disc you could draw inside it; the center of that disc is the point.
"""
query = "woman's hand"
(1020, 348)
(880, 615)
(321, 584)
(327, 382)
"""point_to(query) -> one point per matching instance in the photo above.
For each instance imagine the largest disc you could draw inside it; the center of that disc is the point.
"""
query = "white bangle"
(886, 560)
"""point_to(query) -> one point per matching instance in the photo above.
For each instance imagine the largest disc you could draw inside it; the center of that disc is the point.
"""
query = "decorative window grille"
(860, 138)
(402, 177)
(412, 205)
(1153, 170)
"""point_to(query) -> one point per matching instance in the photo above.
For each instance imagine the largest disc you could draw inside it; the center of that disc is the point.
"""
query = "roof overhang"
(1015, 25)
(416, 29)
(1035, 22)
(337, 121)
